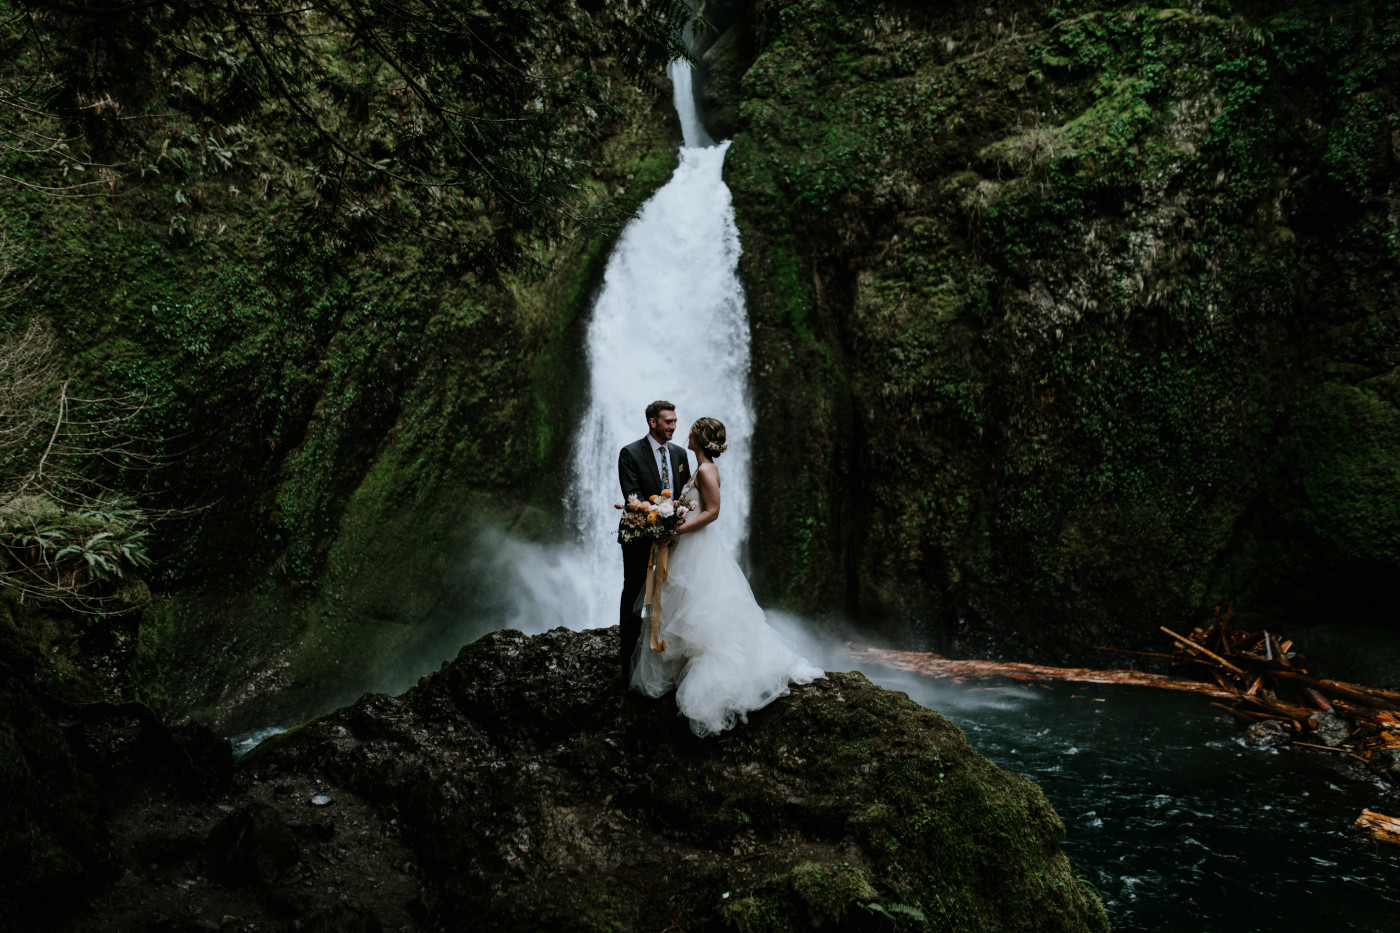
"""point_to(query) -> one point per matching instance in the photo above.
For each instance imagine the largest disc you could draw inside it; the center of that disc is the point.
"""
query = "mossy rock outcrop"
(519, 789)
(68, 757)
(1086, 314)
(332, 426)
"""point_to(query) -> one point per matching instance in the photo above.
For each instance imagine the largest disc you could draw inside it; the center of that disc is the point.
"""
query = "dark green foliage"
(457, 123)
(1065, 278)
(334, 420)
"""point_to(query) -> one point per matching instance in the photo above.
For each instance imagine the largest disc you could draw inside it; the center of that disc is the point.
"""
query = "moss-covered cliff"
(330, 421)
(1086, 314)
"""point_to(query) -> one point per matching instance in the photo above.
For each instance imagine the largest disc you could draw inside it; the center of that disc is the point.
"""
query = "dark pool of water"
(1177, 823)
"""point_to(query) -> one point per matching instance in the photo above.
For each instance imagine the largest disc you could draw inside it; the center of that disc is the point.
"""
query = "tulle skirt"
(722, 658)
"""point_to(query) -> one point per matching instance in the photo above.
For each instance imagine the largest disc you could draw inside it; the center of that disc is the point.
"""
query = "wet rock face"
(1332, 729)
(533, 792)
(1070, 329)
(721, 71)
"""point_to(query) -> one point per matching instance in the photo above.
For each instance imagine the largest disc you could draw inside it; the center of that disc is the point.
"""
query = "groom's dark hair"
(655, 409)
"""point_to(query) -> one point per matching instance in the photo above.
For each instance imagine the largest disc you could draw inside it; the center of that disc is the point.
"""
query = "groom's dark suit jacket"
(639, 475)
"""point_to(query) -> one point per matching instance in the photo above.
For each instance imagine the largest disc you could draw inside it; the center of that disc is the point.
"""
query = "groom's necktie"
(665, 469)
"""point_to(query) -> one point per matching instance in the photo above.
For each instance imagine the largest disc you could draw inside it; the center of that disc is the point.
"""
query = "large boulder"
(68, 762)
(518, 788)
(52, 844)
(533, 793)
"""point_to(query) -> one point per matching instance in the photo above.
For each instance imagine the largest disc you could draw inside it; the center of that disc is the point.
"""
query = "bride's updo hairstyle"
(709, 434)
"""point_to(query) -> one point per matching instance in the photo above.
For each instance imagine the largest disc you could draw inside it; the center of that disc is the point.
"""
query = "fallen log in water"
(1257, 674)
(934, 666)
(1351, 693)
(1379, 827)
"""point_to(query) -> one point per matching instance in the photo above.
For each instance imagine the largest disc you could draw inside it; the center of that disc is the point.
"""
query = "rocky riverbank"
(517, 787)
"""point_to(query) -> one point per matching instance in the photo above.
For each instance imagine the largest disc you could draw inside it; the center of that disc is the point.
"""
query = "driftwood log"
(1379, 827)
(1252, 675)
(933, 665)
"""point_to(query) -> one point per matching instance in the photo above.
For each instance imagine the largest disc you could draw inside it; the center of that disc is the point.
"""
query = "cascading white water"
(668, 324)
(693, 133)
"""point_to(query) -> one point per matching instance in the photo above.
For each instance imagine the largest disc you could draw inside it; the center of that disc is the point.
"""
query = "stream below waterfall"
(1178, 824)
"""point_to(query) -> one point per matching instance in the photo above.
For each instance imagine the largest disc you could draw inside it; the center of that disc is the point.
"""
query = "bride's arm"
(707, 480)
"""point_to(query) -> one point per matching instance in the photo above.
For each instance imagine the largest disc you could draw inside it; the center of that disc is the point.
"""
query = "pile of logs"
(1268, 684)
(1261, 679)
(1255, 676)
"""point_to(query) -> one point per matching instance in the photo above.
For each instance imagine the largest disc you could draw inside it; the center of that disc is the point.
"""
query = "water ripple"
(1181, 826)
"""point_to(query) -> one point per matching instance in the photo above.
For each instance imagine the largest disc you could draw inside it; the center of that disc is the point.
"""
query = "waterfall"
(693, 133)
(669, 323)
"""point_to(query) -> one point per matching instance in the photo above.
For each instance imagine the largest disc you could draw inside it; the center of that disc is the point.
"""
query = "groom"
(644, 468)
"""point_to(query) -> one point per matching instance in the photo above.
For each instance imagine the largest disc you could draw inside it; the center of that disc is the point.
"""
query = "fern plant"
(80, 549)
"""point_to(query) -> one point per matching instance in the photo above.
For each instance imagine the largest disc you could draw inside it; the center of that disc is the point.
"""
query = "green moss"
(828, 893)
(960, 844)
(154, 648)
(1352, 441)
(1076, 271)
(334, 418)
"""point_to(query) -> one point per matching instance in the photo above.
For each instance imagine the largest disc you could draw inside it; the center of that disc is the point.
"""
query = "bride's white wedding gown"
(722, 658)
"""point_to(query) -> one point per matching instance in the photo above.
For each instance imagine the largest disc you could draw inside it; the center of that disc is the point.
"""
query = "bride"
(722, 658)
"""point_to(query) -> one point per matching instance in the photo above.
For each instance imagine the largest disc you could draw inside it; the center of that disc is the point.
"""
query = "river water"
(1177, 823)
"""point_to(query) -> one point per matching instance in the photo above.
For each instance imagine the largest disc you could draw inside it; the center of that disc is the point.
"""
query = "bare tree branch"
(68, 536)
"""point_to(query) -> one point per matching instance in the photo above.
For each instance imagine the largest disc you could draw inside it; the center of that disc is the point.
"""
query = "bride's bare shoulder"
(708, 470)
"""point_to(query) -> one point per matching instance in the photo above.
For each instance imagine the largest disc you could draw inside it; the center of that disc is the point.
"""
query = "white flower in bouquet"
(665, 509)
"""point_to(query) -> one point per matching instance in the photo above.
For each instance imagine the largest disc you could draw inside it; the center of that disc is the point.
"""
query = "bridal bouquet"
(651, 519)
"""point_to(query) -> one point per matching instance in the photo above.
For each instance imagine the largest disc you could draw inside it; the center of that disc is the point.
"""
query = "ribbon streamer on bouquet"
(658, 566)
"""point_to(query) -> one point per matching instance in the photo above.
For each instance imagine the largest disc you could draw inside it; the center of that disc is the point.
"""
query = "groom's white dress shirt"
(656, 448)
